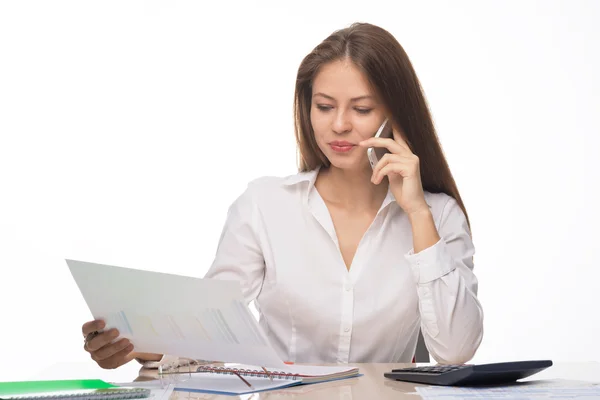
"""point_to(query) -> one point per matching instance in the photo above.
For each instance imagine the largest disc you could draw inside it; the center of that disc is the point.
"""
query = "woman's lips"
(341, 147)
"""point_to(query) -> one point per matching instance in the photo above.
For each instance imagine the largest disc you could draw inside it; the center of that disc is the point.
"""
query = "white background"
(127, 128)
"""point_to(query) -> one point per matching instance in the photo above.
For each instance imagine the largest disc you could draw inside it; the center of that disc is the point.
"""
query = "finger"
(102, 340)
(390, 168)
(390, 144)
(389, 159)
(92, 326)
(120, 358)
(111, 349)
(385, 160)
(149, 356)
(404, 169)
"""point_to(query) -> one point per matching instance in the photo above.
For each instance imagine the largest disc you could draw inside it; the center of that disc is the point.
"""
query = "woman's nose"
(341, 124)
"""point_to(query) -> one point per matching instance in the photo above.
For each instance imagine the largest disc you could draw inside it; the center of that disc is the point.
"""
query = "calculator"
(469, 374)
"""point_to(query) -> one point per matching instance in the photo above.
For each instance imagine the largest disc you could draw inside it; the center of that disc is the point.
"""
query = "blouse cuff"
(431, 263)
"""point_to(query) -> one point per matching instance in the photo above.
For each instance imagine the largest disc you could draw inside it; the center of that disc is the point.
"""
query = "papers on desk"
(304, 373)
(545, 389)
(222, 382)
(204, 319)
(231, 385)
(161, 393)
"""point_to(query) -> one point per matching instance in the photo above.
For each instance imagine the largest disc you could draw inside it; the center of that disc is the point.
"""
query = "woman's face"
(344, 111)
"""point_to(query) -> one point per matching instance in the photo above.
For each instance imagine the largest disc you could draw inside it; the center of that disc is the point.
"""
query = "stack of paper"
(222, 383)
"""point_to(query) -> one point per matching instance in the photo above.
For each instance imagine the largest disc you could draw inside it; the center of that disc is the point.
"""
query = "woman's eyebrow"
(365, 97)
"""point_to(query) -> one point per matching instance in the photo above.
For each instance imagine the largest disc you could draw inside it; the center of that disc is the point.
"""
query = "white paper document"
(215, 384)
(231, 385)
(205, 319)
(544, 389)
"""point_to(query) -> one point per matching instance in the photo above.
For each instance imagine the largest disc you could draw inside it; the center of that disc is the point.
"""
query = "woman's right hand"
(108, 355)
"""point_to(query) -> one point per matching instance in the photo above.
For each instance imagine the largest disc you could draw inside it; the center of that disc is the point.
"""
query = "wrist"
(423, 227)
(420, 214)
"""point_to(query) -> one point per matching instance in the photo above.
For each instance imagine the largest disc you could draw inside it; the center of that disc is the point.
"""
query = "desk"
(374, 386)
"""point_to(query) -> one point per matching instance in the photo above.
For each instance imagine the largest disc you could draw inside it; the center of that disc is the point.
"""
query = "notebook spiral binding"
(249, 372)
(96, 394)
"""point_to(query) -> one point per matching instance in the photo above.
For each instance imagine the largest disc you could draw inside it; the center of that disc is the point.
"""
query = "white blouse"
(279, 241)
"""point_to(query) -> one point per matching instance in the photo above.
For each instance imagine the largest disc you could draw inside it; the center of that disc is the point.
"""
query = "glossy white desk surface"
(372, 385)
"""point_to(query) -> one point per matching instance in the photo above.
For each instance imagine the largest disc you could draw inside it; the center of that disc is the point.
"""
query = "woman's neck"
(351, 189)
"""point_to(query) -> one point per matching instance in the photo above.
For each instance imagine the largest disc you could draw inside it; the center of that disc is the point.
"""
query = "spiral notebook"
(92, 389)
(225, 380)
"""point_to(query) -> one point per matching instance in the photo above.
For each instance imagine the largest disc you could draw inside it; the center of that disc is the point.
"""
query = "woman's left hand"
(401, 167)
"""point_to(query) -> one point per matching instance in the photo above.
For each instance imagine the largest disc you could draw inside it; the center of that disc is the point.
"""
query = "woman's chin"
(349, 163)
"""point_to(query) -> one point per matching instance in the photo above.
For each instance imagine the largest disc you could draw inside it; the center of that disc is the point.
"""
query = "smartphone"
(376, 153)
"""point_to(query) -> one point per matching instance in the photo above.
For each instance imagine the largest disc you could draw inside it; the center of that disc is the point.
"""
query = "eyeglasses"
(182, 370)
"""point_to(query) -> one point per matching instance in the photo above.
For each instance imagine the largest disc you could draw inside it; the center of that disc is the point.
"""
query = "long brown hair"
(391, 74)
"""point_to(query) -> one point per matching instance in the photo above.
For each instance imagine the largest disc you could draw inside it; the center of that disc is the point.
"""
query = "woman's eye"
(324, 107)
(363, 110)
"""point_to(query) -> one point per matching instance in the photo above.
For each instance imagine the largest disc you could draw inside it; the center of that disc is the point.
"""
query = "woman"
(347, 263)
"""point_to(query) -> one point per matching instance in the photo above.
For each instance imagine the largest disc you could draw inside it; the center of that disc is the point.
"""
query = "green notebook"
(92, 389)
